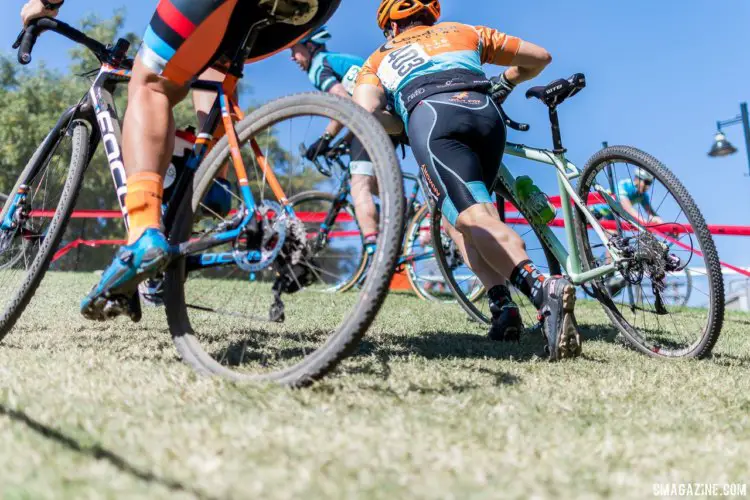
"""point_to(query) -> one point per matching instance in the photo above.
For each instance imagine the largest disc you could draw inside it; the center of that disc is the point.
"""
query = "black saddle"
(556, 92)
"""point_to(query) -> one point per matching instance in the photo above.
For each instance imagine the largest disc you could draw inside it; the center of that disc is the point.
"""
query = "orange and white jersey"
(429, 60)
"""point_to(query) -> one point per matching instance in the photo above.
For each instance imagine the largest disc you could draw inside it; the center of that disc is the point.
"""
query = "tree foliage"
(33, 99)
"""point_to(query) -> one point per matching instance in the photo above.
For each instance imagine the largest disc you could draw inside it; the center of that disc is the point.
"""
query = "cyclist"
(632, 193)
(433, 74)
(184, 38)
(337, 73)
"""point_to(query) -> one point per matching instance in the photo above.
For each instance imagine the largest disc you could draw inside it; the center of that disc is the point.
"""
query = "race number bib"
(349, 81)
(400, 63)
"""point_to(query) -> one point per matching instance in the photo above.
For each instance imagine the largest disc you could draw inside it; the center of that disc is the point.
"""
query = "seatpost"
(238, 62)
(556, 137)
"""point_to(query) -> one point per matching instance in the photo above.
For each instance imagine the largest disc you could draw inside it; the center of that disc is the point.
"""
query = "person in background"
(337, 73)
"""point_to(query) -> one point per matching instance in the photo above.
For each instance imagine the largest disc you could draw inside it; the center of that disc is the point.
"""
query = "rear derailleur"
(644, 256)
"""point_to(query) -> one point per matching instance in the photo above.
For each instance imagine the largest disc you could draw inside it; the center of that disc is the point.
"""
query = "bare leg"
(148, 142)
(499, 247)
(148, 130)
(364, 187)
(484, 271)
(203, 101)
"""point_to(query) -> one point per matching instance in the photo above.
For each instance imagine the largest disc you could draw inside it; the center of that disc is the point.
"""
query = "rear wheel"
(219, 319)
(338, 259)
(637, 298)
(466, 286)
(420, 261)
(42, 204)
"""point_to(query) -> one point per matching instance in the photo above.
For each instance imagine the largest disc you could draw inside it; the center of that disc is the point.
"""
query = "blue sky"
(660, 73)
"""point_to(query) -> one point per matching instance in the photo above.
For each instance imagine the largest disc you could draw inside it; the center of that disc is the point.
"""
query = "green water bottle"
(541, 211)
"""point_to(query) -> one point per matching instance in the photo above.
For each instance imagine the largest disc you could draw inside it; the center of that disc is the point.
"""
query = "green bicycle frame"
(566, 172)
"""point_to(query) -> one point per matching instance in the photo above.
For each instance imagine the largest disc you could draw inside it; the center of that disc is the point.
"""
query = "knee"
(474, 218)
(145, 86)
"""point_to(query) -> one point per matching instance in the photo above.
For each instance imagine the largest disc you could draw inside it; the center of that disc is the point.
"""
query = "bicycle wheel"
(213, 314)
(420, 262)
(338, 257)
(640, 306)
(10, 255)
(463, 282)
(41, 216)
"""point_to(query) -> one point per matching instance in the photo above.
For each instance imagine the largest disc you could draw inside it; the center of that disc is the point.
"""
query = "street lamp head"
(721, 146)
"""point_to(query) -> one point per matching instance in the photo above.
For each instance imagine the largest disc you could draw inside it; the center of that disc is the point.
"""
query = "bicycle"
(676, 292)
(642, 255)
(257, 235)
(336, 238)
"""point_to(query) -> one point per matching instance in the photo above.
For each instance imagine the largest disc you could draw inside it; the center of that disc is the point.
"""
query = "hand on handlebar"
(34, 9)
(318, 148)
(501, 88)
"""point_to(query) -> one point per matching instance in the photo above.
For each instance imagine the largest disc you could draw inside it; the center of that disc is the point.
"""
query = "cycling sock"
(530, 282)
(499, 297)
(143, 201)
(371, 240)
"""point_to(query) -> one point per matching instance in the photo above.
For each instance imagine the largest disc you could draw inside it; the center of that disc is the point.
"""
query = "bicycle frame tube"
(566, 172)
(100, 96)
(48, 147)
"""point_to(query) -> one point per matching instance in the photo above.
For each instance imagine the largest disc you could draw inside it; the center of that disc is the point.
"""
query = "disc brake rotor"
(273, 225)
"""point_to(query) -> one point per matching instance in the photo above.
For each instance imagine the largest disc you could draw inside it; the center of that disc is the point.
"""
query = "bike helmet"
(644, 175)
(318, 36)
(396, 10)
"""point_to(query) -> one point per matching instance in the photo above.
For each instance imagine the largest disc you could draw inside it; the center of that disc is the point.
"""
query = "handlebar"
(29, 35)
(339, 148)
(510, 123)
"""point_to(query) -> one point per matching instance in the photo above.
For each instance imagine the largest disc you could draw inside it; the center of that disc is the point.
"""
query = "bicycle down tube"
(565, 172)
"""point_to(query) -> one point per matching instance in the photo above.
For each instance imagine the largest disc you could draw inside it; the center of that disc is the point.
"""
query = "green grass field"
(427, 409)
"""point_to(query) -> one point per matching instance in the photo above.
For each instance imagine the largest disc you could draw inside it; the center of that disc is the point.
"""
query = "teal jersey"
(329, 68)
(626, 188)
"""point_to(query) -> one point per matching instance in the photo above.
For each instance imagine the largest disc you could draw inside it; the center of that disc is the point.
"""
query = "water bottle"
(531, 197)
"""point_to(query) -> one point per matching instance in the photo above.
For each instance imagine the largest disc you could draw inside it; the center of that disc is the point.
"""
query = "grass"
(428, 409)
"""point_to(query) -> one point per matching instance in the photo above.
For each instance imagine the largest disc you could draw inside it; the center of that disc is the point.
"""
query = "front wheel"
(639, 298)
(219, 315)
(338, 259)
(35, 216)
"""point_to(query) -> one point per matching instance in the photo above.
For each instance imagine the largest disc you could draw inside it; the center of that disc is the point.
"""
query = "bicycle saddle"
(556, 92)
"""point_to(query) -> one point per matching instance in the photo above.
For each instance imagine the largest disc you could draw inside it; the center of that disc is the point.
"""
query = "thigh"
(184, 37)
(453, 172)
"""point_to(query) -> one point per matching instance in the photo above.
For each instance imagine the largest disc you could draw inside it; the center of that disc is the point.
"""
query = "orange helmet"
(395, 10)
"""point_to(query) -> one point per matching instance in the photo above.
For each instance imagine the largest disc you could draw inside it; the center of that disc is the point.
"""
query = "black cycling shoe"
(558, 321)
(506, 318)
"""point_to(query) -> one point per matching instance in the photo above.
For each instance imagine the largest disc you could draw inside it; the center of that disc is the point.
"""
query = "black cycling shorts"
(458, 140)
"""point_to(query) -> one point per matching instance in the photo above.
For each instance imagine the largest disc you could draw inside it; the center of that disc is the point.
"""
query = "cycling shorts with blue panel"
(458, 140)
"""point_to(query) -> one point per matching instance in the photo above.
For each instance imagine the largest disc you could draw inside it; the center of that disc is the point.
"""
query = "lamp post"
(722, 146)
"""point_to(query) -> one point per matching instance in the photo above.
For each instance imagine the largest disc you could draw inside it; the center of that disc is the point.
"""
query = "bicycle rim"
(49, 200)
(686, 320)
(221, 323)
